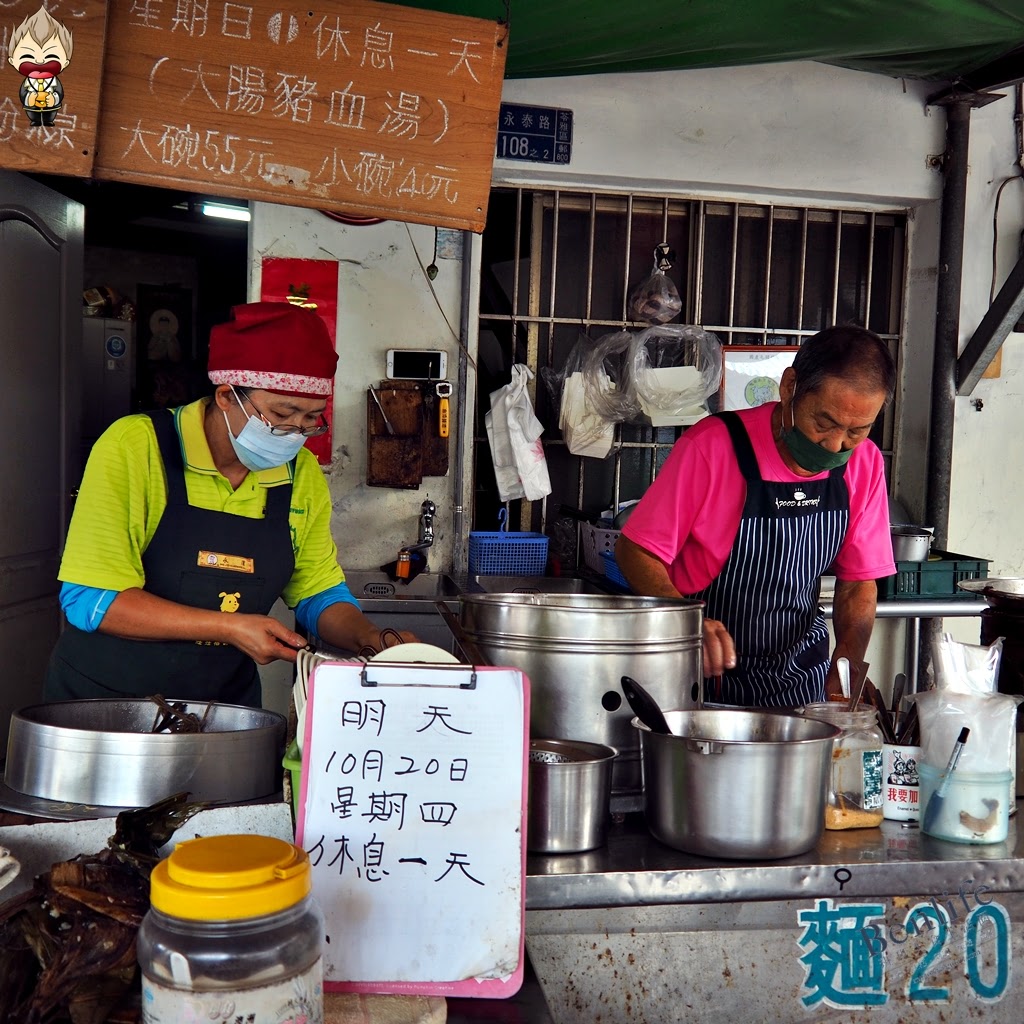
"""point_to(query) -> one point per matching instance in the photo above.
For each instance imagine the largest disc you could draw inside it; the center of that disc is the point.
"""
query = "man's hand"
(719, 649)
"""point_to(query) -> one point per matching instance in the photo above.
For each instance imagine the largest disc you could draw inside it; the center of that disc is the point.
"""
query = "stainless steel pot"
(569, 796)
(575, 649)
(103, 752)
(737, 784)
(910, 543)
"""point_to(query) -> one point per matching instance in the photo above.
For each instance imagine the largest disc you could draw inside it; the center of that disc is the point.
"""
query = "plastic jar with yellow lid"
(232, 934)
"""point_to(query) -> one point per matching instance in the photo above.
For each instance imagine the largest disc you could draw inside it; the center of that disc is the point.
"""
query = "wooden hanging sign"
(51, 66)
(368, 108)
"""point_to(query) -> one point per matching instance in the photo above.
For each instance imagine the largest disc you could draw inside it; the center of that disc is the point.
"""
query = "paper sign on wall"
(751, 375)
(413, 789)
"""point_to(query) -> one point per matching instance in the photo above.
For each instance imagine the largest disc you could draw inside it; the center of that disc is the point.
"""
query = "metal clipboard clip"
(418, 666)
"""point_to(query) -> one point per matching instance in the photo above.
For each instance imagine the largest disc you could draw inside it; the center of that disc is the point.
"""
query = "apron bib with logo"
(200, 558)
(767, 592)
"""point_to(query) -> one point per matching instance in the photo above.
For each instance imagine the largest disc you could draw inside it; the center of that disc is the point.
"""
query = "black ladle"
(644, 706)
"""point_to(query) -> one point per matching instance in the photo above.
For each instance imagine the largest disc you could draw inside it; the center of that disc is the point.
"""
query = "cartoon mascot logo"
(40, 50)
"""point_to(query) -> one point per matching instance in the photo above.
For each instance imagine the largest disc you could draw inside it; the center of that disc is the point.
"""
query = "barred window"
(556, 264)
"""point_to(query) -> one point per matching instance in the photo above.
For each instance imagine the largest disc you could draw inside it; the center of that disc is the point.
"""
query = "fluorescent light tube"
(225, 211)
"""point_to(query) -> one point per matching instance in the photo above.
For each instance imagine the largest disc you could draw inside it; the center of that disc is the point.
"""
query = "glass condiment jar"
(855, 781)
(232, 927)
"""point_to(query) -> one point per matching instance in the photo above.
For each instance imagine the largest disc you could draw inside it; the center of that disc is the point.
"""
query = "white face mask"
(256, 447)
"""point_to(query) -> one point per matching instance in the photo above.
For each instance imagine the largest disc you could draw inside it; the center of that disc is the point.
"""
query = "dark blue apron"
(768, 590)
(85, 665)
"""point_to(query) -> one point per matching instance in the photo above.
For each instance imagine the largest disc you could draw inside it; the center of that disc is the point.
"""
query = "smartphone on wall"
(417, 364)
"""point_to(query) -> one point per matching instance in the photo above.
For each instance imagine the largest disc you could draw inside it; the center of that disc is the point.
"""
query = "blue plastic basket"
(612, 571)
(507, 554)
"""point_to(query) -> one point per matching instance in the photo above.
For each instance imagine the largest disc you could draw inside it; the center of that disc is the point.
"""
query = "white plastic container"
(901, 784)
(975, 807)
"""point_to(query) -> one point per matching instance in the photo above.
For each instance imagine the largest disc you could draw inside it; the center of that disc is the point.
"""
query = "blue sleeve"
(309, 609)
(85, 606)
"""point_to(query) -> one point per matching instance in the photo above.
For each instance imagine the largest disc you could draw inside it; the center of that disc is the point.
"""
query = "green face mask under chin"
(812, 456)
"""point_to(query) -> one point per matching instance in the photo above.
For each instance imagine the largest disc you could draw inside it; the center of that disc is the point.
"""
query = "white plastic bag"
(585, 432)
(513, 431)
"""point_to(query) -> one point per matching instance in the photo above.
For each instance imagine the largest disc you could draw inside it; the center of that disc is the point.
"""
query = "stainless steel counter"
(634, 869)
(887, 920)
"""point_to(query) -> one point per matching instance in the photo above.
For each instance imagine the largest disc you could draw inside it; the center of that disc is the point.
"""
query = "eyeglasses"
(285, 429)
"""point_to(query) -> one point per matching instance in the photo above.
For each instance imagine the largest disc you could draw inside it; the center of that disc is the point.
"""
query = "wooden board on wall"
(68, 144)
(368, 108)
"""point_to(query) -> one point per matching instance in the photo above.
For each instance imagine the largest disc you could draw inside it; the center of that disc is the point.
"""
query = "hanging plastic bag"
(585, 432)
(965, 695)
(671, 370)
(604, 373)
(513, 431)
(656, 299)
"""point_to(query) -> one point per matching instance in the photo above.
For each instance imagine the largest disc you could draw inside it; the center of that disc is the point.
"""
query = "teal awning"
(980, 42)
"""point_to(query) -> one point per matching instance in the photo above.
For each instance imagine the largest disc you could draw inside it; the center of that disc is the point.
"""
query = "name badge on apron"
(216, 560)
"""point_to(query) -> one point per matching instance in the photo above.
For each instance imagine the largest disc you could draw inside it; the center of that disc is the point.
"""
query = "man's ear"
(787, 386)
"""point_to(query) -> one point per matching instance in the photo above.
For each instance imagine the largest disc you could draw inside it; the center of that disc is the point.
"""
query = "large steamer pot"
(104, 752)
(575, 649)
(744, 785)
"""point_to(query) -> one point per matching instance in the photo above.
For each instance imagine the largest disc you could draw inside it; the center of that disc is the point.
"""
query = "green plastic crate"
(938, 577)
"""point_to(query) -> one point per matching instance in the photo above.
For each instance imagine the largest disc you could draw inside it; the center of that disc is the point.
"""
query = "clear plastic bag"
(965, 677)
(670, 371)
(656, 299)
(604, 364)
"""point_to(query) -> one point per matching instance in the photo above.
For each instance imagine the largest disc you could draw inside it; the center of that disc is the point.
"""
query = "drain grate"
(378, 590)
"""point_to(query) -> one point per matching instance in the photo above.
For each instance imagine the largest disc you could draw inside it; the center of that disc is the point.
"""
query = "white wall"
(795, 130)
(384, 301)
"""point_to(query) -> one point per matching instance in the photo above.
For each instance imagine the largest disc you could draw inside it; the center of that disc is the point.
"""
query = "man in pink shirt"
(752, 507)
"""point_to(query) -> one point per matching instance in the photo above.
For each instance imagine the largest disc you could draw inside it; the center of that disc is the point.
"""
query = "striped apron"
(767, 592)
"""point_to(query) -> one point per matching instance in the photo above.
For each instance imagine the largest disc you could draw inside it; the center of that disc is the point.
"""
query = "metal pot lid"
(997, 590)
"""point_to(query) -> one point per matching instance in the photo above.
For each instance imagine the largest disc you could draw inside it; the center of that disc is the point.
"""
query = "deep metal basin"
(104, 752)
(536, 585)
(428, 586)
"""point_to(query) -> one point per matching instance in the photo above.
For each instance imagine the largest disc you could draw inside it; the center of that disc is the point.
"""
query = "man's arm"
(853, 617)
(648, 575)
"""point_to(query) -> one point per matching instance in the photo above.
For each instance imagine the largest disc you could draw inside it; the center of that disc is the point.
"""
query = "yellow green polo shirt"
(124, 494)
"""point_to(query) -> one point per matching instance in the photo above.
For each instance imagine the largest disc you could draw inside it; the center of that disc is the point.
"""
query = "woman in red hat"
(190, 523)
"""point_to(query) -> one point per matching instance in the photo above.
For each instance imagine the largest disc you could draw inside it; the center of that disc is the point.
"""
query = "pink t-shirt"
(690, 514)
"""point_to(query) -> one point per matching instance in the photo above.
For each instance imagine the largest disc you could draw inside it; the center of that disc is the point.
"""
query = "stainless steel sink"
(536, 585)
(371, 585)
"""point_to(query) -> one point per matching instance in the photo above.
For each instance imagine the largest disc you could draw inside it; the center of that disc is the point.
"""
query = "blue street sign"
(538, 134)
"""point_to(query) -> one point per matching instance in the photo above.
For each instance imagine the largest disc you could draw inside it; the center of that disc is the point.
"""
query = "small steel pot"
(910, 543)
(737, 784)
(570, 787)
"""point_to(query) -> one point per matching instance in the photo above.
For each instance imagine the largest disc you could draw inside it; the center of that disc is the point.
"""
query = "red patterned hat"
(273, 346)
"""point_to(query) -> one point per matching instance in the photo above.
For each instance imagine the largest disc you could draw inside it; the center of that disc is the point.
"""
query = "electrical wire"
(437, 301)
(1018, 175)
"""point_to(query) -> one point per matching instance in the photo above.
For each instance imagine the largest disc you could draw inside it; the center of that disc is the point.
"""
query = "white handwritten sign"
(412, 814)
(366, 107)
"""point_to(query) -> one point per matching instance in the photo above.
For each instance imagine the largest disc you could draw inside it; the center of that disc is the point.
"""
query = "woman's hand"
(262, 637)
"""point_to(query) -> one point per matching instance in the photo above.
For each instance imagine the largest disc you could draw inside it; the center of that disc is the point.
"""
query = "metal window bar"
(684, 223)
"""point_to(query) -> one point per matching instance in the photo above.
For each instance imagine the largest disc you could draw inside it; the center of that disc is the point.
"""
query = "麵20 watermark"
(848, 948)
